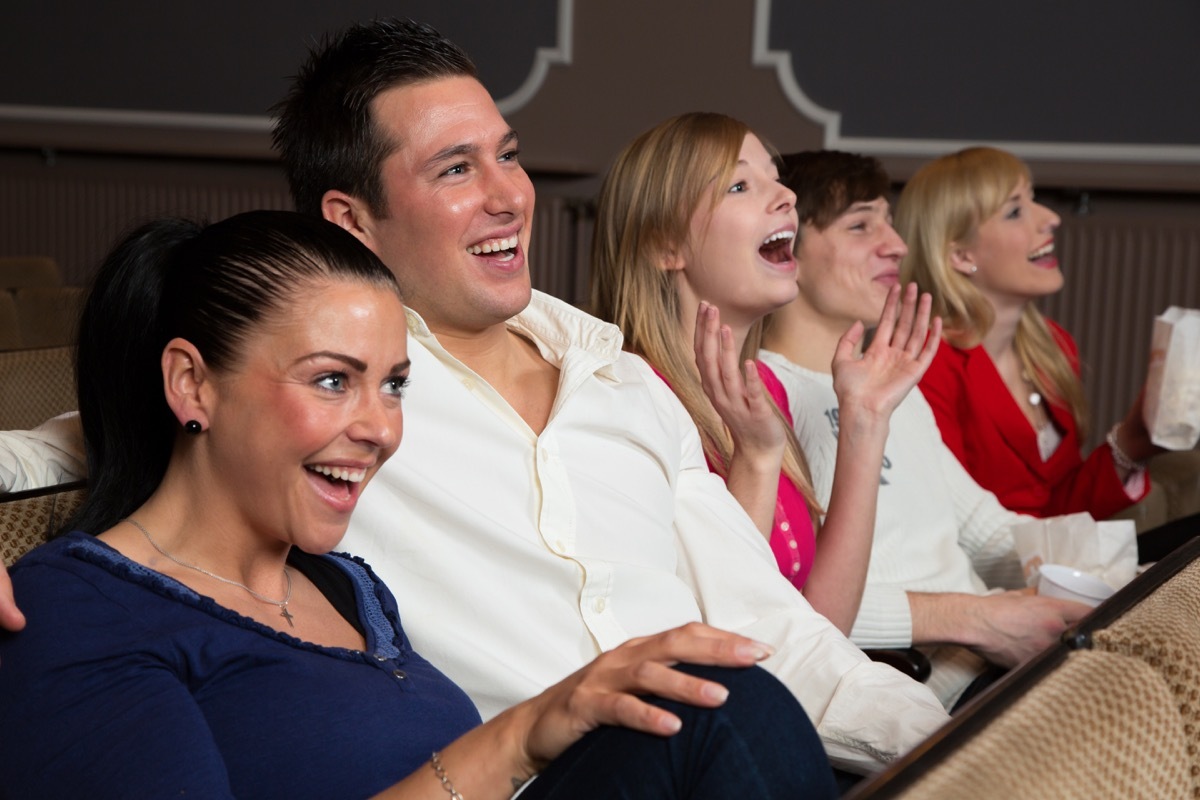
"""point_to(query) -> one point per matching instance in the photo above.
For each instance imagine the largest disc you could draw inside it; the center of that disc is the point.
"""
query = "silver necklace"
(280, 604)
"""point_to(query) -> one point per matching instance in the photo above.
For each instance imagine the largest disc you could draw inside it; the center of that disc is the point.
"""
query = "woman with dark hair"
(239, 385)
(693, 248)
(1006, 390)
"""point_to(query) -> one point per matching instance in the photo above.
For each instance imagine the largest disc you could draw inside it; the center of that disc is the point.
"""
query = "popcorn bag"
(1172, 404)
(1107, 550)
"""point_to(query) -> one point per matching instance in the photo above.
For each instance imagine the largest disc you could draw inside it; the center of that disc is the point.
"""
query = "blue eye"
(395, 385)
(457, 169)
(333, 381)
(740, 186)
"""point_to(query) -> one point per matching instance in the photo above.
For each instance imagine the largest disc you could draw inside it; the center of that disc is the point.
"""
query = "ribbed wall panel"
(1124, 263)
(76, 220)
(561, 247)
(1120, 274)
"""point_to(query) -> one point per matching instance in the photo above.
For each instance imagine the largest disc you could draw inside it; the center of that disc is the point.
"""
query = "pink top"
(792, 538)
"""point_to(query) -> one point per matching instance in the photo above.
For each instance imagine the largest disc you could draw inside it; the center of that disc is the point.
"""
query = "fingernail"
(715, 692)
(756, 651)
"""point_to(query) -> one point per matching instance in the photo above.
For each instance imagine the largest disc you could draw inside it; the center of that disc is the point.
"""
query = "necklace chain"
(280, 604)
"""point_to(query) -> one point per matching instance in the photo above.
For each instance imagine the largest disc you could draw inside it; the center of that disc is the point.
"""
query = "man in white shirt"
(551, 498)
(941, 541)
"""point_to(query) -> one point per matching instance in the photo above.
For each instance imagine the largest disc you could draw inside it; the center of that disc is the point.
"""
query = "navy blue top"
(126, 683)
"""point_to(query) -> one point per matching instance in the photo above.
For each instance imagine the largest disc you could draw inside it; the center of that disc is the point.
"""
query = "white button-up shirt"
(518, 558)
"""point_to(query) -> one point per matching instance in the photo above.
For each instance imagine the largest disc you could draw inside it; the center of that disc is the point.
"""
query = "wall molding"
(545, 57)
(831, 121)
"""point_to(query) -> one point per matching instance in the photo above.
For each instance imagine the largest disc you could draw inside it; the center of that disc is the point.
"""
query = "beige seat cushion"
(26, 522)
(1102, 725)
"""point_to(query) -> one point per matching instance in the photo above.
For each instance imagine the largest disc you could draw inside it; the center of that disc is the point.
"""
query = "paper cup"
(1068, 583)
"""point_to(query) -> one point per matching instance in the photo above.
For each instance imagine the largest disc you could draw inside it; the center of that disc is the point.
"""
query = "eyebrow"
(352, 362)
(867, 205)
(460, 150)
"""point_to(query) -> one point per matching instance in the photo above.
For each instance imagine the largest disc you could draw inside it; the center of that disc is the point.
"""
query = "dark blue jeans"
(759, 744)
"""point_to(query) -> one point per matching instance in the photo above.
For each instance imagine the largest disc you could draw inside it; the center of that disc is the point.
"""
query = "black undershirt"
(332, 582)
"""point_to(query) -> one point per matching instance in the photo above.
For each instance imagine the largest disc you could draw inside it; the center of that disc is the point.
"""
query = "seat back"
(1101, 725)
(18, 271)
(1163, 631)
(48, 316)
(35, 385)
(27, 519)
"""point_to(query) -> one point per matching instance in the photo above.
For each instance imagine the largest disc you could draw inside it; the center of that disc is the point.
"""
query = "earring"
(193, 427)
(973, 268)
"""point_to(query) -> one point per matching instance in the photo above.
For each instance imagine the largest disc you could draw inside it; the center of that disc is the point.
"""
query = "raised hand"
(606, 691)
(740, 399)
(735, 390)
(902, 349)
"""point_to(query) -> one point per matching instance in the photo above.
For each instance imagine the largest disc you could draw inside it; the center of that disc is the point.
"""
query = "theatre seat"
(1100, 726)
(1163, 631)
(29, 518)
(35, 385)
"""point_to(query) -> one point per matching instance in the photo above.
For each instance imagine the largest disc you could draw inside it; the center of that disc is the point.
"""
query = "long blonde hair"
(643, 216)
(944, 203)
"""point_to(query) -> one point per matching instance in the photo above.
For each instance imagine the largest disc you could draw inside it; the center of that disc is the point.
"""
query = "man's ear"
(187, 383)
(350, 213)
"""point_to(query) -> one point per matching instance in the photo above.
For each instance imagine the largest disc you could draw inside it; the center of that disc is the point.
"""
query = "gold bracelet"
(435, 761)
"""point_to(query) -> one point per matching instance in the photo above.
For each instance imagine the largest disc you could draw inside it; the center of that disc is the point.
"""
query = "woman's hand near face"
(738, 396)
(902, 349)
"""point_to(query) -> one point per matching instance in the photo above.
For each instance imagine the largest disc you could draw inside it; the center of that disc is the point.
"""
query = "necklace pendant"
(1035, 399)
(283, 612)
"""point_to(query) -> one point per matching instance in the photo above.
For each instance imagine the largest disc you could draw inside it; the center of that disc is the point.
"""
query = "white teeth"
(340, 473)
(1045, 250)
(775, 237)
(494, 246)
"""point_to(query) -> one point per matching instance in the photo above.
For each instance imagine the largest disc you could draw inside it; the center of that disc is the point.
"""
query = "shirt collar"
(556, 328)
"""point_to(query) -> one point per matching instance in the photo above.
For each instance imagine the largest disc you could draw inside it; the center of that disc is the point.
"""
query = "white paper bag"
(1106, 549)
(1171, 406)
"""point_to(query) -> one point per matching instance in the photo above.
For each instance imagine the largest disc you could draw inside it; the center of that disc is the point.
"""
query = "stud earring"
(193, 427)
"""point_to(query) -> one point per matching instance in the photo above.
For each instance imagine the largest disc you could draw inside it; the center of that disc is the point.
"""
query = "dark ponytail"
(212, 286)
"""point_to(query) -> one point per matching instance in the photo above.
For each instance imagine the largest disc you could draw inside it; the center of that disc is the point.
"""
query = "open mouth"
(777, 248)
(506, 248)
(1044, 256)
(342, 482)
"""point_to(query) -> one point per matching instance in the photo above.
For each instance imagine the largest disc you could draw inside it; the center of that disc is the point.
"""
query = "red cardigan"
(983, 425)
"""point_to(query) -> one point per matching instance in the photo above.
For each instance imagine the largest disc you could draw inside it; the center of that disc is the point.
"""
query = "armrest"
(909, 660)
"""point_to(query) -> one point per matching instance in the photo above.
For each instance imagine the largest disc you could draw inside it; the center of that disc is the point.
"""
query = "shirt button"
(399, 674)
(599, 605)
(785, 526)
(795, 568)
(792, 544)
(380, 657)
(468, 383)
